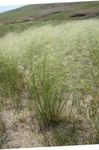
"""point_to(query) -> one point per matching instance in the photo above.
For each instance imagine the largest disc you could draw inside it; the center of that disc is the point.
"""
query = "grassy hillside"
(43, 10)
(53, 71)
(30, 15)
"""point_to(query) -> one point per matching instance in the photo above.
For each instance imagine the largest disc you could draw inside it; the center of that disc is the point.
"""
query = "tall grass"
(11, 80)
(48, 92)
(57, 66)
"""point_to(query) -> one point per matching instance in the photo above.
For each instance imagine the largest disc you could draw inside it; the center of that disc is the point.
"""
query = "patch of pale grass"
(53, 65)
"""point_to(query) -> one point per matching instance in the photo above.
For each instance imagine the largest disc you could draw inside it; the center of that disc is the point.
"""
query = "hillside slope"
(51, 11)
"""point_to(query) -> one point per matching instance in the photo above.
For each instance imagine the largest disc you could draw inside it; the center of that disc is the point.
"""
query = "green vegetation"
(27, 16)
(17, 27)
(57, 68)
(42, 10)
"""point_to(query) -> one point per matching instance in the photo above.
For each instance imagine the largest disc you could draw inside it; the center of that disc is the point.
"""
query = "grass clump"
(11, 80)
(48, 92)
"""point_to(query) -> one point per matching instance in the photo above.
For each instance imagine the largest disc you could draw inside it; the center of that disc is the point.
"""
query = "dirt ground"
(19, 132)
(22, 130)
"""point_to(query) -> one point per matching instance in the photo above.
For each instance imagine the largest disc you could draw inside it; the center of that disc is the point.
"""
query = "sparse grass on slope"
(22, 18)
(58, 68)
(40, 10)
